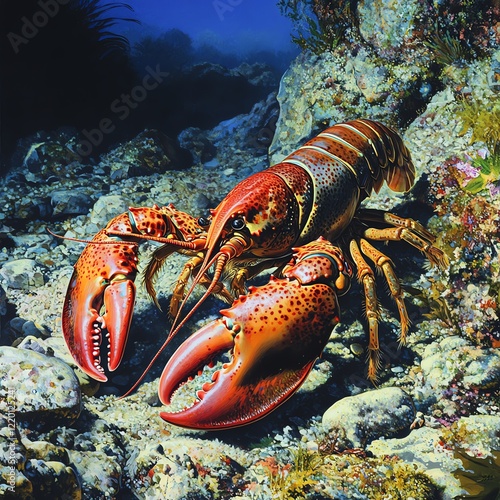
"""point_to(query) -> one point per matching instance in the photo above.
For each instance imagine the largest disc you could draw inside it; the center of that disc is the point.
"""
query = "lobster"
(301, 217)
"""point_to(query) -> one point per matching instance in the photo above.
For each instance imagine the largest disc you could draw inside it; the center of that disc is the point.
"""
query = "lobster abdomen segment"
(339, 168)
(374, 151)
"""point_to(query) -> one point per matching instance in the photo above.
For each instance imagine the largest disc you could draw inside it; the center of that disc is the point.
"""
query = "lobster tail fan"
(400, 175)
(398, 170)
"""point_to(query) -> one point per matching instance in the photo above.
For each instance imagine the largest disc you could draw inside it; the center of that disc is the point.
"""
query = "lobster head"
(263, 211)
(258, 218)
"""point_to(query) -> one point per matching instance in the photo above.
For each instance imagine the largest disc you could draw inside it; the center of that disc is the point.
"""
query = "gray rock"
(198, 144)
(16, 325)
(33, 469)
(44, 390)
(34, 343)
(100, 473)
(52, 479)
(389, 25)
(421, 447)
(355, 421)
(31, 329)
(21, 274)
(427, 448)
(333, 88)
(3, 302)
(100, 461)
(67, 202)
(149, 152)
(107, 207)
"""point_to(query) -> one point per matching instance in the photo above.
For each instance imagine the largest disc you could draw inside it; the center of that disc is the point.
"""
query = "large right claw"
(103, 276)
(275, 334)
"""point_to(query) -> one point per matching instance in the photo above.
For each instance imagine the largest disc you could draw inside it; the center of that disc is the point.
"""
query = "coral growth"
(466, 195)
(468, 227)
(454, 31)
(310, 474)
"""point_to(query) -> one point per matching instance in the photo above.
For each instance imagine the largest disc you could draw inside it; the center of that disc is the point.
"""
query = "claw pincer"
(103, 276)
(275, 334)
(101, 292)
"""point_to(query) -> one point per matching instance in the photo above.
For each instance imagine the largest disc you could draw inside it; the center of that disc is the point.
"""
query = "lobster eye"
(238, 223)
(203, 222)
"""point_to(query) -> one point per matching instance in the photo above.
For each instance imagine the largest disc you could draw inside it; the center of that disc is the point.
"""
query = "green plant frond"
(97, 19)
(321, 25)
(305, 460)
(476, 185)
(448, 50)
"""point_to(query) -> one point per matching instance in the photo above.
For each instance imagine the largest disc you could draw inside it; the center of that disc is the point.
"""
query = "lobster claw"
(111, 285)
(275, 335)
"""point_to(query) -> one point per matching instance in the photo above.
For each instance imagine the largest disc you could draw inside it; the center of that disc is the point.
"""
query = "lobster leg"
(190, 269)
(404, 229)
(243, 274)
(384, 263)
(366, 277)
(435, 256)
(179, 291)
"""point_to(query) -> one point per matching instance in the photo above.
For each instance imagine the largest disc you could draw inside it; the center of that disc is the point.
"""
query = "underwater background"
(103, 108)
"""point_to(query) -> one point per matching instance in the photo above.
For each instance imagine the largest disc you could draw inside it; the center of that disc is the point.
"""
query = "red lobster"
(301, 216)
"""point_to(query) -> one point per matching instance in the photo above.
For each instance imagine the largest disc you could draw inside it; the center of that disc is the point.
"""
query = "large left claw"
(103, 276)
(276, 333)
(101, 292)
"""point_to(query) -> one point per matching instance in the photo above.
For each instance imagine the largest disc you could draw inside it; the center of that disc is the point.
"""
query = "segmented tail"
(373, 152)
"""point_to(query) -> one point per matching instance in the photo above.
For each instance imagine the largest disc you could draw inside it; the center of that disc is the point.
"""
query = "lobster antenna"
(89, 242)
(221, 260)
(140, 236)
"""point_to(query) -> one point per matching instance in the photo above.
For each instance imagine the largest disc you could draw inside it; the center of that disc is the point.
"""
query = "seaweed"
(288, 483)
(375, 478)
(407, 478)
(448, 50)
(482, 119)
(465, 22)
(322, 25)
(67, 72)
(460, 26)
(432, 300)
(481, 477)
